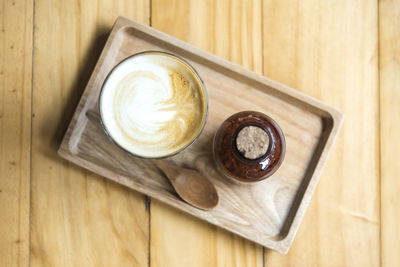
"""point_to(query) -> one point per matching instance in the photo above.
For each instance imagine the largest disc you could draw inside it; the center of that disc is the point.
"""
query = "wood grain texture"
(15, 130)
(389, 84)
(232, 30)
(269, 212)
(78, 218)
(322, 48)
(328, 49)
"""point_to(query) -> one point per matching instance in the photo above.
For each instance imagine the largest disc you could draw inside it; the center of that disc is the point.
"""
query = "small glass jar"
(235, 163)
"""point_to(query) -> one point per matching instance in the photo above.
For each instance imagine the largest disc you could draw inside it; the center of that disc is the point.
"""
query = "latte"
(153, 104)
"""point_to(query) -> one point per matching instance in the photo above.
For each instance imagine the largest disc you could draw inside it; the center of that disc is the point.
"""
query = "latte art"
(153, 105)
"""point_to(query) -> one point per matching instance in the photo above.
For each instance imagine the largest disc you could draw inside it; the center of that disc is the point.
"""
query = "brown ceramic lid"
(233, 163)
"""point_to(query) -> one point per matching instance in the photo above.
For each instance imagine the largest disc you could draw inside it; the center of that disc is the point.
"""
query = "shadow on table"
(79, 84)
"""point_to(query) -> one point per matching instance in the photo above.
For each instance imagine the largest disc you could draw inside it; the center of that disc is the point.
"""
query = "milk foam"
(152, 105)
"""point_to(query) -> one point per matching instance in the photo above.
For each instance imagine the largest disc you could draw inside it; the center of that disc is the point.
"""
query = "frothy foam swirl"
(152, 105)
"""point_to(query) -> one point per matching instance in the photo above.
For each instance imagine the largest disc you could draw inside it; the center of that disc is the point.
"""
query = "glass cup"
(108, 91)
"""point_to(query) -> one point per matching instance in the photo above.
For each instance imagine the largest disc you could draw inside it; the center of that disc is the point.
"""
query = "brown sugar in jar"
(249, 146)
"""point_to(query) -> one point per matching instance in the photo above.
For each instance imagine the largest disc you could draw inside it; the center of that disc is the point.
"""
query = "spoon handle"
(169, 170)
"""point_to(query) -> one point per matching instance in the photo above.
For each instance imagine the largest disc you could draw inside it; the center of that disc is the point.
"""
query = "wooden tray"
(268, 213)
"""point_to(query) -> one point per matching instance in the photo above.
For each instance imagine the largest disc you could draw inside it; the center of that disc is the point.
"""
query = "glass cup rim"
(190, 67)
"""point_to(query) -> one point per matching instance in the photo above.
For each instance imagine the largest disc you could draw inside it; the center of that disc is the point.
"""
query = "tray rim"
(335, 115)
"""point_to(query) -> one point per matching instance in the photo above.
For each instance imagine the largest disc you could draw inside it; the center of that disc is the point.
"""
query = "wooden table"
(52, 213)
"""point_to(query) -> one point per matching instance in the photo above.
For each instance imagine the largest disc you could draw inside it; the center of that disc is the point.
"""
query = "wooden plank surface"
(328, 49)
(15, 130)
(389, 83)
(325, 48)
(78, 218)
(232, 30)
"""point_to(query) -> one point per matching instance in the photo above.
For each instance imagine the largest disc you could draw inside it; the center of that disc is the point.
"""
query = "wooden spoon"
(190, 185)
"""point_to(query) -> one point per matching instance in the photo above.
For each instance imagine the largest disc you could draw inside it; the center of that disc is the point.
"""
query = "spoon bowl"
(190, 185)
